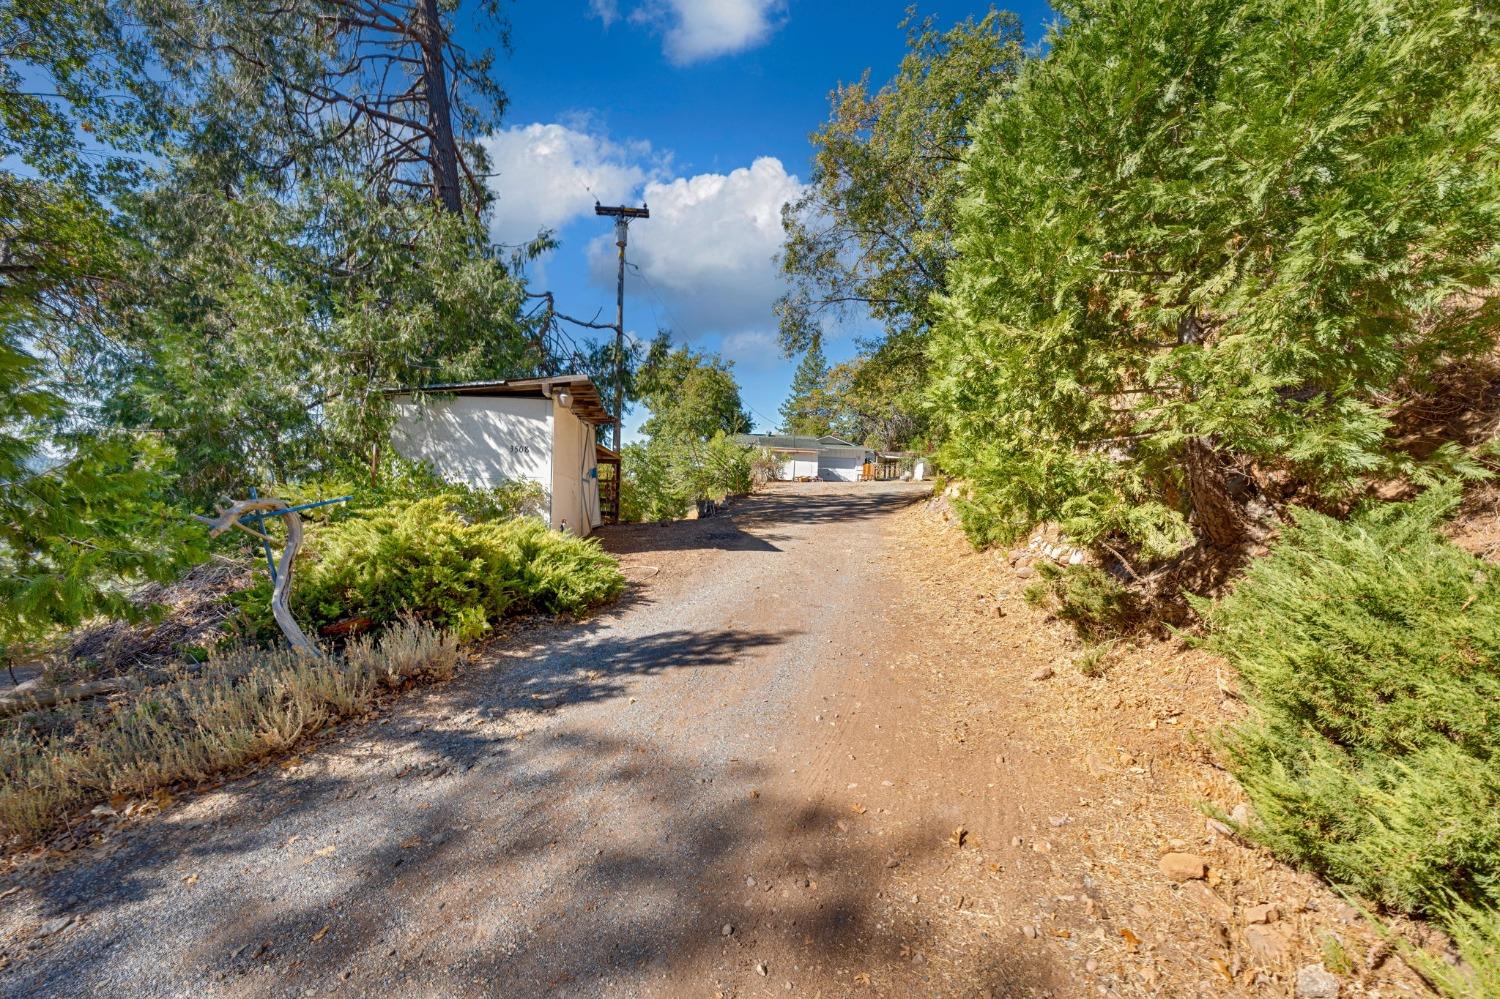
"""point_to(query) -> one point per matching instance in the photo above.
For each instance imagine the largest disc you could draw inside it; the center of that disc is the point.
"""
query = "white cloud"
(549, 174)
(752, 349)
(694, 30)
(708, 249)
(704, 261)
(607, 11)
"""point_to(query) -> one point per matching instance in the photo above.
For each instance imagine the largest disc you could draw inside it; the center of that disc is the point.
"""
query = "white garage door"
(840, 466)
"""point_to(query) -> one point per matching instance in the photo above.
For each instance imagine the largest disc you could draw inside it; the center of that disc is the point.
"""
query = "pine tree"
(807, 411)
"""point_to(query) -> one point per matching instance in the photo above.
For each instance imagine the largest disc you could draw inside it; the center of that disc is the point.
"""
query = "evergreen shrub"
(427, 560)
(1096, 604)
(1370, 651)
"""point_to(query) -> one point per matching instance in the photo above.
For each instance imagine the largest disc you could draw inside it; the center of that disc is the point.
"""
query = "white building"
(829, 458)
(538, 430)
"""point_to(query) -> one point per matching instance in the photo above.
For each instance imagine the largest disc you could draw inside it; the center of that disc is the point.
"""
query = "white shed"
(538, 430)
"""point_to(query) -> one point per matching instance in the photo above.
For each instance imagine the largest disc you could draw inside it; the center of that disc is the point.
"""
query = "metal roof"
(586, 401)
(792, 442)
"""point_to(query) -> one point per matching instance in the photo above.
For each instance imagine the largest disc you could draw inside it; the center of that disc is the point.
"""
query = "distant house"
(829, 458)
(538, 430)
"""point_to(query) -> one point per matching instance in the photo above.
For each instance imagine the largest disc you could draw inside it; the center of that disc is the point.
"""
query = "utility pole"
(622, 215)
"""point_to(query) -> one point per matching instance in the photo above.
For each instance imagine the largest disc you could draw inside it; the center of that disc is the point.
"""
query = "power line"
(672, 317)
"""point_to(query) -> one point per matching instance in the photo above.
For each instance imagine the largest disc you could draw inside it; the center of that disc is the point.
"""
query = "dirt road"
(823, 747)
(724, 785)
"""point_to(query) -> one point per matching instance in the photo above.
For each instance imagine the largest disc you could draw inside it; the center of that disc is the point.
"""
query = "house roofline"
(587, 403)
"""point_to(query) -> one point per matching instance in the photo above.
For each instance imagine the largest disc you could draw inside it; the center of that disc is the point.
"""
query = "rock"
(1015, 841)
(1267, 913)
(1241, 815)
(1316, 982)
(1045, 673)
(57, 925)
(1057, 821)
(762, 970)
(1076, 558)
(727, 930)
(749, 882)
(1025, 572)
(1182, 866)
(1267, 946)
(1215, 826)
(1208, 900)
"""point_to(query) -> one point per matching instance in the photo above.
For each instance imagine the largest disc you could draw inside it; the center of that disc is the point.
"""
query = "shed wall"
(575, 482)
(481, 441)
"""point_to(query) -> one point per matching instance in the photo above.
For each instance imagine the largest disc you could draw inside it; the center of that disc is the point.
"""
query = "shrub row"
(428, 560)
(663, 477)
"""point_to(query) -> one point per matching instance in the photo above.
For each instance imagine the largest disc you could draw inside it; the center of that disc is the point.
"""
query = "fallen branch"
(230, 519)
(46, 697)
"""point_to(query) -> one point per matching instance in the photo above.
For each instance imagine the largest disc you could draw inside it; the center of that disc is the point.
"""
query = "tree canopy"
(873, 233)
(689, 394)
(1192, 270)
(808, 409)
(231, 225)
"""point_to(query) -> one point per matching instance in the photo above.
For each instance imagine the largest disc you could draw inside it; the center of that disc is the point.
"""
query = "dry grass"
(237, 708)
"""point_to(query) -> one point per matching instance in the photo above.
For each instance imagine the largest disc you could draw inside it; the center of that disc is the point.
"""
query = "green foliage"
(1476, 933)
(208, 273)
(689, 394)
(1370, 651)
(1235, 243)
(873, 232)
(808, 409)
(74, 76)
(664, 477)
(85, 512)
(299, 310)
(690, 455)
(425, 560)
(1097, 605)
(870, 404)
(647, 489)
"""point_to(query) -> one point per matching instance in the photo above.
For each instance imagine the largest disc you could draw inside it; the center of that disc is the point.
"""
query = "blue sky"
(702, 108)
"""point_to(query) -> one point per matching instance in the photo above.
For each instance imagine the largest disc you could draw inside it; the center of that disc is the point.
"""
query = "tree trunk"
(443, 151)
(1218, 517)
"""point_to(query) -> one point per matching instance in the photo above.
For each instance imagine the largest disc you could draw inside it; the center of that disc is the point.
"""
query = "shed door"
(804, 466)
(840, 466)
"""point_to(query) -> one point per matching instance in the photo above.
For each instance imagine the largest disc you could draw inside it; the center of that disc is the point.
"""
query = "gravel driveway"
(666, 798)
